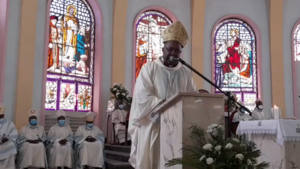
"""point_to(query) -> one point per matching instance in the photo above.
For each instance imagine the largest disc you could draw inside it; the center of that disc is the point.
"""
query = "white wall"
(291, 15)
(180, 8)
(258, 11)
(12, 53)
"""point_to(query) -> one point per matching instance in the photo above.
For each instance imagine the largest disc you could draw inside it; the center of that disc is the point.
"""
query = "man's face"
(53, 21)
(71, 11)
(87, 28)
(171, 49)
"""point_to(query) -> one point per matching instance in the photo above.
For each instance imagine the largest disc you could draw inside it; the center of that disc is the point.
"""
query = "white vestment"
(32, 155)
(154, 83)
(120, 129)
(8, 150)
(89, 153)
(259, 115)
(241, 117)
(60, 155)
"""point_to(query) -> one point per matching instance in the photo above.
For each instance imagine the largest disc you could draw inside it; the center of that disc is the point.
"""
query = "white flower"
(249, 162)
(209, 161)
(117, 94)
(236, 140)
(207, 147)
(210, 131)
(243, 145)
(114, 89)
(228, 146)
(116, 84)
(202, 157)
(123, 94)
(218, 147)
(239, 156)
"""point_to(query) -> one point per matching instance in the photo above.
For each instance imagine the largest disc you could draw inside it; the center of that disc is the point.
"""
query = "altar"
(278, 140)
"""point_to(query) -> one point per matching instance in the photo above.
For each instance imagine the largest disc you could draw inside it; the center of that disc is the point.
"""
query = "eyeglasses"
(173, 51)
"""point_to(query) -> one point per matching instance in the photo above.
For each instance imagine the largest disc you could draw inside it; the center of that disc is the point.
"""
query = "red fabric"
(234, 57)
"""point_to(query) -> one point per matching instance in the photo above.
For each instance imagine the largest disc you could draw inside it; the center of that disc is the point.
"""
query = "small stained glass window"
(235, 60)
(70, 59)
(297, 43)
(149, 43)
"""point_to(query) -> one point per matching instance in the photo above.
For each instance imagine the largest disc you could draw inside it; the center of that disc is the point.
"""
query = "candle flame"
(275, 106)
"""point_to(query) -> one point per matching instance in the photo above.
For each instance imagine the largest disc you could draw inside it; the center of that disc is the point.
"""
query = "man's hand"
(4, 140)
(88, 139)
(93, 139)
(63, 142)
(30, 141)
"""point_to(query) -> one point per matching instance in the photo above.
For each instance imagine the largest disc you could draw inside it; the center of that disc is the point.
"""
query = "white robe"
(120, 129)
(58, 155)
(89, 153)
(241, 117)
(259, 115)
(32, 155)
(8, 150)
(154, 83)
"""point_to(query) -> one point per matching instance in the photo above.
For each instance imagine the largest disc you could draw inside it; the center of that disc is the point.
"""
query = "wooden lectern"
(178, 113)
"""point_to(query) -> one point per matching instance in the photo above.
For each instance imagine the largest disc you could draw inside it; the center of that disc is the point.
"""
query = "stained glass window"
(70, 58)
(235, 60)
(297, 43)
(149, 43)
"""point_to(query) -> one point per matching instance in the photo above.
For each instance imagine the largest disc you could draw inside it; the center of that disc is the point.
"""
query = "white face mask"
(260, 107)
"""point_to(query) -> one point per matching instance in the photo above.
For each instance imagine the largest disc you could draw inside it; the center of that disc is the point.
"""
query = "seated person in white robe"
(89, 145)
(31, 149)
(60, 137)
(241, 114)
(8, 137)
(258, 112)
(119, 120)
(156, 82)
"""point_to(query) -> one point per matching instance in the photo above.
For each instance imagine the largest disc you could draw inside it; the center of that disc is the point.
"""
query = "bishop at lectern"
(157, 81)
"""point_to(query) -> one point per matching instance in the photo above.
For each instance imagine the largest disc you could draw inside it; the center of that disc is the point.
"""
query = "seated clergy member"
(241, 114)
(60, 136)
(8, 137)
(31, 150)
(89, 144)
(258, 112)
(119, 119)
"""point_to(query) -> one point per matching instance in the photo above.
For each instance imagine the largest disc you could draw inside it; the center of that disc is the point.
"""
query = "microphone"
(173, 59)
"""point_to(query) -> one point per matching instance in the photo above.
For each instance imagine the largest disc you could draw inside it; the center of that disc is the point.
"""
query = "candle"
(276, 112)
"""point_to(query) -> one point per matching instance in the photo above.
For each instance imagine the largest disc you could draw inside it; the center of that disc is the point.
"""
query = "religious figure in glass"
(149, 28)
(70, 54)
(235, 59)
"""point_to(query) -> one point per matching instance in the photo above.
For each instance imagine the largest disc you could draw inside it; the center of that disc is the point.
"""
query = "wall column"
(118, 42)
(276, 50)
(25, 76)
(197, 38)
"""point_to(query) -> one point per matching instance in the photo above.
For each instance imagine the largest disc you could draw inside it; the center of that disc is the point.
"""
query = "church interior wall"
(257, 11)
(290, 16)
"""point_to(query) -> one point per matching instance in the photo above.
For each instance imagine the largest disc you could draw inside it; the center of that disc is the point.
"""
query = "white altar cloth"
(278, 140)
(285, 130)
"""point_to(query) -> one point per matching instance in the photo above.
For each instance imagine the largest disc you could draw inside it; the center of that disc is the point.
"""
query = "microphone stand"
(230, 98)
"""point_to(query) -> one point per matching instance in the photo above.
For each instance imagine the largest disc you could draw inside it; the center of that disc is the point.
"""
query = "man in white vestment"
(157, 81)
(31, 150)
(8, 137)
(89, 140)
(60, 136)
(258, 112)
(241, 114)
(119, 120)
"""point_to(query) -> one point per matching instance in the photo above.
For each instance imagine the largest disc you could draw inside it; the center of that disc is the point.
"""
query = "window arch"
(149, 27)
(70, 58)
(235, 59)
(296, 65)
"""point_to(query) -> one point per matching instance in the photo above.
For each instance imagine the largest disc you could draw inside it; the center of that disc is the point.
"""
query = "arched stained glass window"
(149, 43)
(296, 36)
(70, 57)
(235, 60)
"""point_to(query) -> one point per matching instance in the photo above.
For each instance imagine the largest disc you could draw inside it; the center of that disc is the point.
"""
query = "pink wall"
(4, 6)
(257, 33)
(97, 61)
(161, 9)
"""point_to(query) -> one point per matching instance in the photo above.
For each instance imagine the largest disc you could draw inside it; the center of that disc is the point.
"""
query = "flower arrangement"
(119, 92)
(218, 152)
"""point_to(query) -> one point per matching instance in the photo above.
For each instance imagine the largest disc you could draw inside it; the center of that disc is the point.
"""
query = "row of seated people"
(32, 148)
